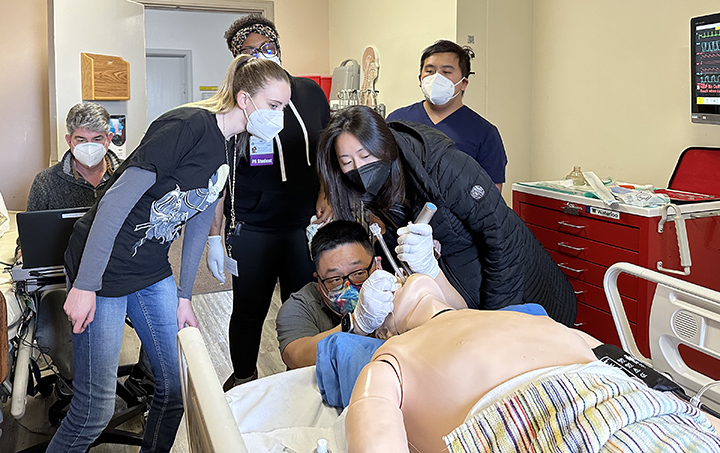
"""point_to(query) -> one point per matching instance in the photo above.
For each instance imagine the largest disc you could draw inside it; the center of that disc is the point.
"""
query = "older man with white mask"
(76, 180)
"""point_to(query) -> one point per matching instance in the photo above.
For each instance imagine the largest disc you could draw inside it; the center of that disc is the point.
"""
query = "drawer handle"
(564, 266)
(563, 223)
(577, 293)
(577, 249)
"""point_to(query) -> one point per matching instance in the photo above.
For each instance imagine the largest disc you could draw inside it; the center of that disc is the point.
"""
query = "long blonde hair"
(245, 73)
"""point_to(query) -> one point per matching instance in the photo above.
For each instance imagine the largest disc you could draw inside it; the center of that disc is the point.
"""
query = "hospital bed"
(682, 314)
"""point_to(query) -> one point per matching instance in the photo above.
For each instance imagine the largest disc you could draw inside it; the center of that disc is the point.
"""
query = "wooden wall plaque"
(104, 77)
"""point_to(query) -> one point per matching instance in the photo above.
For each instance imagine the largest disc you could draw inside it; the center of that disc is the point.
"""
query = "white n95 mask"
(438, 89)
(274, 58)
(264, 124)
(90, 153)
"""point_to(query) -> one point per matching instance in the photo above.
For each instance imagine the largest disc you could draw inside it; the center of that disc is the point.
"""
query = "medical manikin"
(422, 384)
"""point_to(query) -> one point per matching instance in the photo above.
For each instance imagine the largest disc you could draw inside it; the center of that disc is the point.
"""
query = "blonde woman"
(117, 259)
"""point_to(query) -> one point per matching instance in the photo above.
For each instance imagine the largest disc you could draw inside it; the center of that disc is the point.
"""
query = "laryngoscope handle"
(426, 213)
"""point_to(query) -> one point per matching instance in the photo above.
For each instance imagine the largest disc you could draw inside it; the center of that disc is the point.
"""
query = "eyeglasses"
(356, 278)
(269, 49)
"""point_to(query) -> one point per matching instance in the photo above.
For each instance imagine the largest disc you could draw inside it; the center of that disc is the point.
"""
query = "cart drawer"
(624, 236)
(595, 296)
(599, 324)
(577, 247)
(593, 273)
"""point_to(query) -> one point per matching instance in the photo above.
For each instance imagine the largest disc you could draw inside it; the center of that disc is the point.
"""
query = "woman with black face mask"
(390, 170)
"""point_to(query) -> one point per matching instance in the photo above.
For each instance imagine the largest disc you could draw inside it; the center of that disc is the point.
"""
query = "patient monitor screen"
(705, 35)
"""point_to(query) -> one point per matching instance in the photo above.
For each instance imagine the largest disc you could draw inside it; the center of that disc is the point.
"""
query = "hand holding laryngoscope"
(216, 257)
(375, 301)
(415, 247)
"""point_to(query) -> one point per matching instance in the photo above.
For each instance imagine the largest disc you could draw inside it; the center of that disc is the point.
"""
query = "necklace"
(233, 176)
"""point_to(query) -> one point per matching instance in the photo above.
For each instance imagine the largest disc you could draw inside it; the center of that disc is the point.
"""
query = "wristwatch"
(346, 323)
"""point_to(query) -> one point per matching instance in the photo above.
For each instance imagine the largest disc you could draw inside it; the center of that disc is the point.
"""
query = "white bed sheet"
(286, 410)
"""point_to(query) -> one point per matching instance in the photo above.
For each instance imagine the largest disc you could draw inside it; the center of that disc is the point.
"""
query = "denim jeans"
(96, 353)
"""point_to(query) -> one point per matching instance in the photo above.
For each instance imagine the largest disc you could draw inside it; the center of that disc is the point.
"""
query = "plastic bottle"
(322, 447)
(577, 177)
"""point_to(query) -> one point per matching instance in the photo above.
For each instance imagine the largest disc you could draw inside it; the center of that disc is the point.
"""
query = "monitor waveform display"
(709, 34)
(707, 65)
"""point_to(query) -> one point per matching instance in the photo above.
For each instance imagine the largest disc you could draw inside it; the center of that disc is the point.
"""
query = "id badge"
(261, 152)
(231, 265)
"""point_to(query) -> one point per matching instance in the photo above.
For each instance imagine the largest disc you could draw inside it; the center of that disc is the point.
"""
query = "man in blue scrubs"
(444, 71)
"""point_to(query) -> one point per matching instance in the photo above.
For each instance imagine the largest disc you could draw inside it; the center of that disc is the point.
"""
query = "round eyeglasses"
(268, 49)
(356, 278)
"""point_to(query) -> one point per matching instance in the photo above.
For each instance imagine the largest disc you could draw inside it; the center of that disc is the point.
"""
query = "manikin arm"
(377, 391)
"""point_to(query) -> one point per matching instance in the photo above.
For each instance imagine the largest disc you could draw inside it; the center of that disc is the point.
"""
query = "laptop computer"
(44, 235)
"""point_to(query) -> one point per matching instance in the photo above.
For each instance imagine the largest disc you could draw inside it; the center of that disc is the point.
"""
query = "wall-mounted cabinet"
(104, 77)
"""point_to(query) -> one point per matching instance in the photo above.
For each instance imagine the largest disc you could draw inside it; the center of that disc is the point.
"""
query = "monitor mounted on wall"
(705, 68)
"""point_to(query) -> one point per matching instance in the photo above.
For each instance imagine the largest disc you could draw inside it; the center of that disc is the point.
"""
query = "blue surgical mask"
(343, 299)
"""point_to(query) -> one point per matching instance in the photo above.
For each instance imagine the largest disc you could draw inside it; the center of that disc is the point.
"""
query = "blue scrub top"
(472, 134)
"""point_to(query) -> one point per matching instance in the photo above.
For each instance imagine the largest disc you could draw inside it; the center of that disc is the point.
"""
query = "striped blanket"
(583, 412)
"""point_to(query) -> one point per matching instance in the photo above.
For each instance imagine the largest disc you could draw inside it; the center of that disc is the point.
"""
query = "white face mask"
(438, 89)
(264, 124)
(90, 153)
(274, 58)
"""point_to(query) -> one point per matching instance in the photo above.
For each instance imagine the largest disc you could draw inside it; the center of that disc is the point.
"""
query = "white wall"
(501, 88)
(611, 88)
(198, 31)
(110, 27)
(25, 146)
(400, 30)
(304, 35)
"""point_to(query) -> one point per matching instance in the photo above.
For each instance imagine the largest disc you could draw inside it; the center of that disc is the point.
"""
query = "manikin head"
(89, 136)
(344, 259)
(254, 35)
(415, 303)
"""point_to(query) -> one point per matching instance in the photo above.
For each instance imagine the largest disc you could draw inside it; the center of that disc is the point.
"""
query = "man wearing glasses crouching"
(351, 294)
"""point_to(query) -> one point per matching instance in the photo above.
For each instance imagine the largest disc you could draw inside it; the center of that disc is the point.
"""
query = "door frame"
(265, 8)
(186, 55)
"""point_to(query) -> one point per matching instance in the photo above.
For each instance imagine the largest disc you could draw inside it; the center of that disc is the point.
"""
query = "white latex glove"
(415, 247)
(216, 257)
(375, 301)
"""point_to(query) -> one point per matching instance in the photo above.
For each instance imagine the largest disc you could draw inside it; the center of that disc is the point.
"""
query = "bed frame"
(211, 426)
(682, 313)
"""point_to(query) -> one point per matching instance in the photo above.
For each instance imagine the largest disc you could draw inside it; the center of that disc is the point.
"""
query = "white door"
(167, 82)
(107, 27)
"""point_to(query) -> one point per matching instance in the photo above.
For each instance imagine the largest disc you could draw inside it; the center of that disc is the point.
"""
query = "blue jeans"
(96, 353)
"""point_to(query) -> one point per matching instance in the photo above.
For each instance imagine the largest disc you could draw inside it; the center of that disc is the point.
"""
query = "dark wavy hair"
(373, 133)
(249, 21)
(464, 54)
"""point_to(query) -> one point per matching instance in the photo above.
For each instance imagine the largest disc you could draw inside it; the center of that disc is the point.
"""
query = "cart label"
(603, 212)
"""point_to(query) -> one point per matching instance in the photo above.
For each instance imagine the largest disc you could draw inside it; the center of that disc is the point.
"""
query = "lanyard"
(233, 175)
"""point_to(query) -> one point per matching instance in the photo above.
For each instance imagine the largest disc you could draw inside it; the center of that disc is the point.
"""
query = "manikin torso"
(445, 364)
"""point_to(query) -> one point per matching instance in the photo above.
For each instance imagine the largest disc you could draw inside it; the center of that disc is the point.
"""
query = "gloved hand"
(216, 257)
(415, 247)
(375, 301)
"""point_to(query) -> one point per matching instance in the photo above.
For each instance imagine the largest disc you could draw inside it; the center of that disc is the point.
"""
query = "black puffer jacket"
(488, 253)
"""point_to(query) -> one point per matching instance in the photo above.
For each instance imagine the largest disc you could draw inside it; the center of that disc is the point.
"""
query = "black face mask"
(370, 177)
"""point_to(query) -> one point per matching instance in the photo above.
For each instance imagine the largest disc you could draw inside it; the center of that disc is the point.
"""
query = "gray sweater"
(57, 188)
